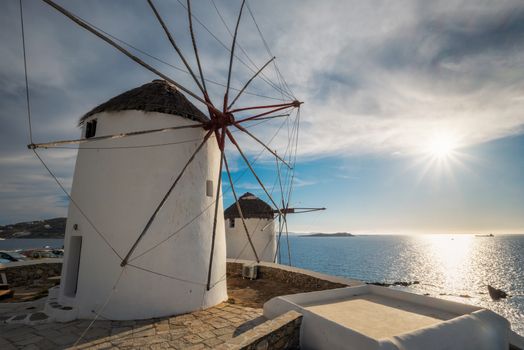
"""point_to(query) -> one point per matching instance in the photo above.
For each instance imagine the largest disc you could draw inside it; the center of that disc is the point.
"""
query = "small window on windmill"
(209, 188)
(231, 222)
(90, 128)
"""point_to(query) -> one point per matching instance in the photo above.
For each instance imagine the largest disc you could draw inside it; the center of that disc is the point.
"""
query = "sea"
(30, 243)
(453, 267)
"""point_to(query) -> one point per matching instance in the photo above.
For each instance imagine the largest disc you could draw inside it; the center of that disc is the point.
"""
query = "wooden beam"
(248, 82)
(109, 137)
(232, 55)
(240, 211)
(240, 127)
(175, 46)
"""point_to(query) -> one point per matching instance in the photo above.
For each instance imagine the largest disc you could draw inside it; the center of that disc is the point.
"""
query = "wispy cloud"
(376, 76)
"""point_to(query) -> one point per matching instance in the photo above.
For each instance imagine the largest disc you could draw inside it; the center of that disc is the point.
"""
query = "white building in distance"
(259, 218)
(117, 185)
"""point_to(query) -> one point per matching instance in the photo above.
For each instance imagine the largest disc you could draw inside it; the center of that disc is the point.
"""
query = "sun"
(442, 145)
(439, 153)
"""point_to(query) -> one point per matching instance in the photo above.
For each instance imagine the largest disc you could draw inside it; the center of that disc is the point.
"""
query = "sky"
(412, 119)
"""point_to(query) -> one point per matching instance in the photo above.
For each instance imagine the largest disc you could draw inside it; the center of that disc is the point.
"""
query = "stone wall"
(280, 333)
(26, 274)
(293, 277)
(19, 274)
(30, 273)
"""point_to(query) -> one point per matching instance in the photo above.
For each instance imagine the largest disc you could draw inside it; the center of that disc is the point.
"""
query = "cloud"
(27, 191)
(442, 69)
(376, 76)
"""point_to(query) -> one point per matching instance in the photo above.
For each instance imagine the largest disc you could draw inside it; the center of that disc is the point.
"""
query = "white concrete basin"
(372, 317)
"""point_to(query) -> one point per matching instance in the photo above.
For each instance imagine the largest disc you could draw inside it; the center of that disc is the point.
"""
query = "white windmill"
(258, 216)
(145, 231)
(119, 186)
(259, 220)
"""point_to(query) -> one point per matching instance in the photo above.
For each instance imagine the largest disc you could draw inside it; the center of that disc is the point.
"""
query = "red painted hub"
(218, 121)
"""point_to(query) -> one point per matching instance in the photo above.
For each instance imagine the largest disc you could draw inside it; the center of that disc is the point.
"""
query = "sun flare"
(440, 153)
(442, 145)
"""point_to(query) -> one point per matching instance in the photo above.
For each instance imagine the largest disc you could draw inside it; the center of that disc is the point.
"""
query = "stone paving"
(198, 330)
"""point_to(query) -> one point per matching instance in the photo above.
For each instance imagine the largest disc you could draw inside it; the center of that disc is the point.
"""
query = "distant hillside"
(51, 228)
(338, 234)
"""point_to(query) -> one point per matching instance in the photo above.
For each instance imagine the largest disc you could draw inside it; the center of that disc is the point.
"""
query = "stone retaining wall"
(292, 278)
(280, 333)
(31, 273)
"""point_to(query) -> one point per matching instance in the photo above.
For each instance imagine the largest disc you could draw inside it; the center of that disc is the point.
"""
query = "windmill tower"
(145, 233)
(117, 190)
(259, 219)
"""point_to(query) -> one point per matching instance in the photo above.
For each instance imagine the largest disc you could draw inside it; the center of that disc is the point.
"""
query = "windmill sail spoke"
(272, 117)
(262, 76)
(230, 136)
(201, 159)
(287, 104)
(300, 210)
(232, 55)
(175, 46)
(279, 175)
(220, 139)
(280, 228)
(287, 240)
(255, 117)
(109, 137)
(240, 210)
(249, 82)
(283, 205)
(89, 28)
(279, 75)
(240, 127)
(195, 49)
(166, 196)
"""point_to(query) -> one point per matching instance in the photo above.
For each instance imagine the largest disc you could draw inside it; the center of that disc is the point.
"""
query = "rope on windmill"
(145, 53)
(136, 59)
(99, 312)
(279, 74)
(212, 203)
(148, 146)
(36, 153)
(262, 76)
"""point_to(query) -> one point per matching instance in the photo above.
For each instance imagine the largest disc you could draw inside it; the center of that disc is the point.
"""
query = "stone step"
(28, 319)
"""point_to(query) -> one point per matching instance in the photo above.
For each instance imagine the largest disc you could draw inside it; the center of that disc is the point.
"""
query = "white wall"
(262, 233)
(473, 328)
(118, 189)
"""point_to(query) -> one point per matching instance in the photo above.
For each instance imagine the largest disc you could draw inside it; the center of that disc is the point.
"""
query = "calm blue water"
(447, 266)
(28, 243)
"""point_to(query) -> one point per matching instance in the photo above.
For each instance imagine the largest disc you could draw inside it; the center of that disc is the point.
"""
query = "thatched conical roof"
(252, 207)
(156, 96)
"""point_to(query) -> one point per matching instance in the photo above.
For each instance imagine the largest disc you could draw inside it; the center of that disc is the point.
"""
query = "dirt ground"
(244, 292)
(28, 293)
(254, 293)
